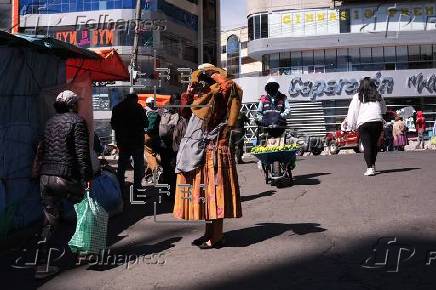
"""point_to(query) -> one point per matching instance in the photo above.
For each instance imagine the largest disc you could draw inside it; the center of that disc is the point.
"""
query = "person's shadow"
(398, 170)
(259, 195)
(264, 231)
(308, 179)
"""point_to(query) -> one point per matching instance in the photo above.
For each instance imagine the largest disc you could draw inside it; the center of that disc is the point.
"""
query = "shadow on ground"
(264, 231)
(309, 179)
(397, 170)
(259, 195)
(361, 264)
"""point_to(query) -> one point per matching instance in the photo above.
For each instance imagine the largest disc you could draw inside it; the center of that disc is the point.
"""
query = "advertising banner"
(333, 86)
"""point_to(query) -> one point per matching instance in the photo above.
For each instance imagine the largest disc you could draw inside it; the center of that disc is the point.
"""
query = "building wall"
(247, 65)
(318, 52)
(256, 6)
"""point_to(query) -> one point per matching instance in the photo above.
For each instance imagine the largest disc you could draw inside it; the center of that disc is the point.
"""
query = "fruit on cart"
(266, 149)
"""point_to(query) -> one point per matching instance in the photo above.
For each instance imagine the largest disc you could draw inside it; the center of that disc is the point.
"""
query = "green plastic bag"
(91, 229)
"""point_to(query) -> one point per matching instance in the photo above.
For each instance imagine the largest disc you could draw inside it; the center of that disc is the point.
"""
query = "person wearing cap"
(274, 100)
(152, 141)
(64, 167)
(129, 121)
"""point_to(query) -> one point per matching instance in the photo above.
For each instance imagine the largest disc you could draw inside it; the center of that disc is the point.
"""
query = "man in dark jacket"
(65, 167)
(129, 121)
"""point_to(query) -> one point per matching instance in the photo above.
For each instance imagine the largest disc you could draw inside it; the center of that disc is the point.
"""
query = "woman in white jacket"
(366, 114)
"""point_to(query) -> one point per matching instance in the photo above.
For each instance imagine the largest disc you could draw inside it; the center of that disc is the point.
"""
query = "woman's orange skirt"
(209, 192)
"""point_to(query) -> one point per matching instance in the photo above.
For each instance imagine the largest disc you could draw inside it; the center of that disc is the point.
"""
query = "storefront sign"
(314, 89)
(343, 85)
(420, 82)
(87, 38)
(303, 22)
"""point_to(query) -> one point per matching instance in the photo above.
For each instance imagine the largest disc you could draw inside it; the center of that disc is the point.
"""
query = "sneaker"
(45, 271)
(369, 172)
(375, 170)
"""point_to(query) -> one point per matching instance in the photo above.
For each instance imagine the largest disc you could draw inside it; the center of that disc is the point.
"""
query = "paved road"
(314, 235)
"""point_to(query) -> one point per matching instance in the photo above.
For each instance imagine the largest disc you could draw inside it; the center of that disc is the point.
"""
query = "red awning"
(109, 67)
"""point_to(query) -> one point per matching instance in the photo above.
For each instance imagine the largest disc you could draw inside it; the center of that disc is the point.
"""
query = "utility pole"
(200, 32)
(134, 58)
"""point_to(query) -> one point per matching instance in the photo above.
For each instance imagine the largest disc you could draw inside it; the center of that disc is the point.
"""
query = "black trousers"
(370, 134)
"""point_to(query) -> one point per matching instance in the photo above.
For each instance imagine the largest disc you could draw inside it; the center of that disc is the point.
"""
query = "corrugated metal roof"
(46, 45)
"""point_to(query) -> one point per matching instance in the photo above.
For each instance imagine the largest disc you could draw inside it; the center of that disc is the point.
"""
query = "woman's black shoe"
(216, 245)
(198, 242)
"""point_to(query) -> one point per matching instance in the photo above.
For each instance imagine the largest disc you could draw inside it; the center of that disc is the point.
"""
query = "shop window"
(285, 59)
(377, 54)
(365, 55)
(318, 57)
(296, 62)
(330, 60)
(427, 56)
(402, 57)
(414, 56)
(342, 59)
(274, 60)
(265, 64)
(354, 56)
(308, 58)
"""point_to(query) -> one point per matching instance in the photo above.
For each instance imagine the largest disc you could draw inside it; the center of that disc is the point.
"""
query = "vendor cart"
(277, 166)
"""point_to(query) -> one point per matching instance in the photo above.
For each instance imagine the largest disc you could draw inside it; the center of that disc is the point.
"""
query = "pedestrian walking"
(399, 132)
(207, 181)
(366, 113)
(388, 137)
(420, 129)
(64, 167)
(129, 121)
(152, 142)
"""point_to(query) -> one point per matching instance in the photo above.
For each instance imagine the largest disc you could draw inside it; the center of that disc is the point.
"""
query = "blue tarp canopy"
(29, 66)
(44, 44)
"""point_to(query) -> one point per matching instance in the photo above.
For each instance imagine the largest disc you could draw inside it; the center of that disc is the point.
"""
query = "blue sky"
(233, 14)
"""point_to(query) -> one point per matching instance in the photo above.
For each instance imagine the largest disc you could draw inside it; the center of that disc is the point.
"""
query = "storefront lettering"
(85, 38)
(314, 89)
(419, 82)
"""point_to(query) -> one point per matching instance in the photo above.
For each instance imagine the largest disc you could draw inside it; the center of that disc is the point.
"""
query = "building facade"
(173, 34)
(234, 54)
(319, 50)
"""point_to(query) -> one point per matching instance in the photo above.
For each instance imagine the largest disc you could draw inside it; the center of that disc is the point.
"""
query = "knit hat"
(67, 97)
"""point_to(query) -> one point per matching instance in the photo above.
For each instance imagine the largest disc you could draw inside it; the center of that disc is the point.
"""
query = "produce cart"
(277, 163)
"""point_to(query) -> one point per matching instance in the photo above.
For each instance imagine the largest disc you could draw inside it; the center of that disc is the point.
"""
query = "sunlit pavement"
(318, 234)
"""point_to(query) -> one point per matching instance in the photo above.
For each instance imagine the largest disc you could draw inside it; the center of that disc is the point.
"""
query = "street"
(318, 234)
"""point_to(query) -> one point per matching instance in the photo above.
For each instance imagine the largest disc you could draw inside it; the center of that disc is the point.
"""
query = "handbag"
(91, 228)
(73, 190)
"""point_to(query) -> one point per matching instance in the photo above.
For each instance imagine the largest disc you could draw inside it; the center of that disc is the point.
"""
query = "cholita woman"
(207, 182)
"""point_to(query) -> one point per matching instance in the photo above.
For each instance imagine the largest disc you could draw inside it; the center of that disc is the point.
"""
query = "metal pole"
(200, 31)
(134, 59)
